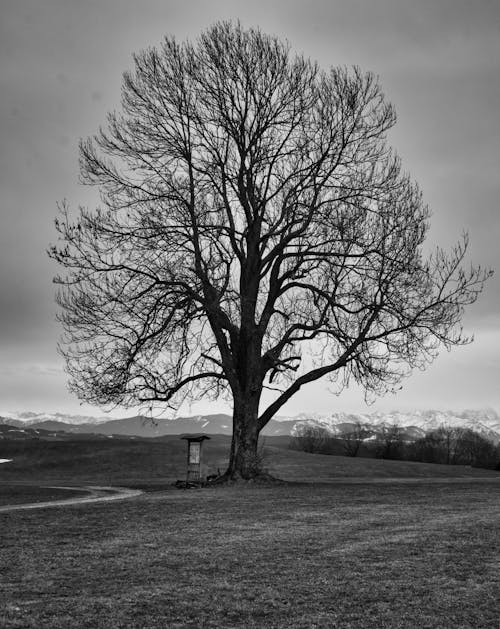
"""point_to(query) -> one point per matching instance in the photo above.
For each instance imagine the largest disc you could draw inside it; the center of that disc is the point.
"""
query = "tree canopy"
(255, 230)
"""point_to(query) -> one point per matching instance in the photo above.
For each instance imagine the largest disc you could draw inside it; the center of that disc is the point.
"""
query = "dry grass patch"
(21, 494)
(298, 556)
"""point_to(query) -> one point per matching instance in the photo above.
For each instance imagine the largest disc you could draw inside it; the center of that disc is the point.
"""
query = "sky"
(61, 65)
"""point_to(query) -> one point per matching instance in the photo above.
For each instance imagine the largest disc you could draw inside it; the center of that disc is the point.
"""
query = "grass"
(11, 494)
(299, 466)
(371, 544)
(159, 462)
(112, 461)
(297, 556)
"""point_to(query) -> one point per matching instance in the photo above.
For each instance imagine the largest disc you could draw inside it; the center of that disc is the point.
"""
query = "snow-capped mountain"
(415, 424)
(139, 425)
(485, 422)
(28, 418)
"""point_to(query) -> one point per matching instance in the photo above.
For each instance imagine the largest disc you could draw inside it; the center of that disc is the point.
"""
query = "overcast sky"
(61, 63)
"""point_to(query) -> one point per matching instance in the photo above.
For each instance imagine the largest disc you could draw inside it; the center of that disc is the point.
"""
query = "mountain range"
(413, 424)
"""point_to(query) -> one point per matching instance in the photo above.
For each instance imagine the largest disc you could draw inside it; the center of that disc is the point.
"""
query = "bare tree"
(472, 448)
(452, 442)
(251, 214)
(429, 448)
(391, 441)
(313, 439)
(448, 439)
(454, 445)
(353, 438)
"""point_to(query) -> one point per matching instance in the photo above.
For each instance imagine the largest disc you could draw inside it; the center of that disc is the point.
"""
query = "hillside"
(161, 461)
(416, 423)
(141, 426)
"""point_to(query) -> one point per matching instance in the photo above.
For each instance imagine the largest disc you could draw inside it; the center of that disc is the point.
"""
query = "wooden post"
(194, 457)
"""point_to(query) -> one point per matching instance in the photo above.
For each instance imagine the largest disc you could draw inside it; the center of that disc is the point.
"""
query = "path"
(94, 494)
(108, 493)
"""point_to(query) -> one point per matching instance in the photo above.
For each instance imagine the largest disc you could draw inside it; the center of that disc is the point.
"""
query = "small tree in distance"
(391, 441)
(353, 437)
(312, 439)
(252, 214)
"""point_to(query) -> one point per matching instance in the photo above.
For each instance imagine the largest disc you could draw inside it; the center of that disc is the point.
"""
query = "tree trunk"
(244, 460)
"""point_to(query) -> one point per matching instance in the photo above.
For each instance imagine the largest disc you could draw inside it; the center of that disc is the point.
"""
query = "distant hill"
(413, 425)
(26, 418)
(141, 426)
(20, 433)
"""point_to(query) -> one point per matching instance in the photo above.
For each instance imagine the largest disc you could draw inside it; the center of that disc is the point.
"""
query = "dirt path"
(108, 493)
(94, 494)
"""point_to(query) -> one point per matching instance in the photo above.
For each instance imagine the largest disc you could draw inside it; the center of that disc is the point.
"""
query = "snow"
(486, 421)
(28, 417)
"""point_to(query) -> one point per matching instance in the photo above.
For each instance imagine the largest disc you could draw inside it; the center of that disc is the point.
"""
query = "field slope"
(343, 555)
(162, 461)
(371, 544)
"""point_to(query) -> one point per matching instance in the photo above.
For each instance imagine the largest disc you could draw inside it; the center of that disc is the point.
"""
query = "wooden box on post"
(194, 472)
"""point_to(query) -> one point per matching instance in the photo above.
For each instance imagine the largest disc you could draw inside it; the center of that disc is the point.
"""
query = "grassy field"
(377, 544)
(162, 461)
(342, 555)
(107, 462)
(11, 494)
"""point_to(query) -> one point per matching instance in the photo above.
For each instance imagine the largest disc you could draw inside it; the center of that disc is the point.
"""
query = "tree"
(255, 231)
(429, 448)
(472, 448)
(353, 437)
(452, 441)
(454, 445)
(448, 437)
(312, 439)
(391, 441)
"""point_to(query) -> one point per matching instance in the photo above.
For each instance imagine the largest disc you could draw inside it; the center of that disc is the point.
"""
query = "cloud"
(25, 370)
(439, 62)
